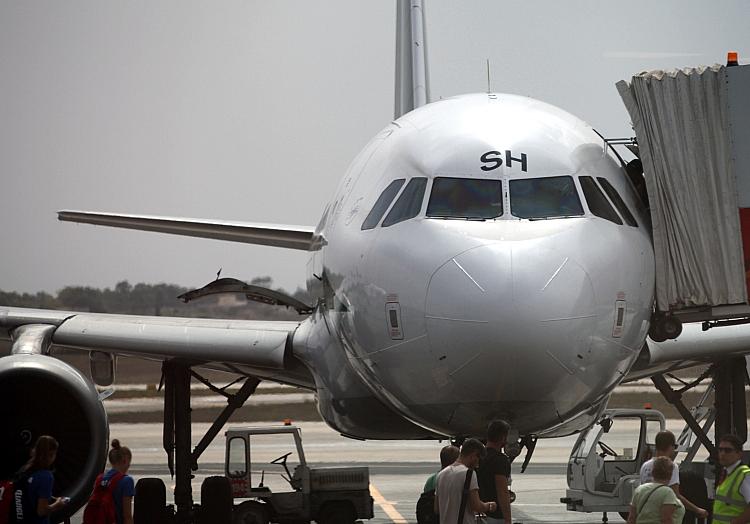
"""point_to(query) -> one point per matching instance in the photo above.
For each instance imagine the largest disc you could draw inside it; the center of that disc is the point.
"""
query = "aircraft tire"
(150, 502)
(216, 501)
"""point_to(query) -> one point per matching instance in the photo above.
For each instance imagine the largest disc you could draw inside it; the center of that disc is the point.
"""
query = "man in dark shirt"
(494, 473)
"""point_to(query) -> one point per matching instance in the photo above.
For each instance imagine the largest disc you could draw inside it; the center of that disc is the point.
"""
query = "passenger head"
(730, 450)
(43, 454)
(120, 456)
(662, 471)
(497, 432)
(448, 456)
(665, 441)
(472, 451)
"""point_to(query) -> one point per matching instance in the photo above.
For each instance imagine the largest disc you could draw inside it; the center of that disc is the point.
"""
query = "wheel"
(336, 513)
(693, 488)
(250, 512)
(656, 331)
(216, 501)
(672, 327)
(150, 502)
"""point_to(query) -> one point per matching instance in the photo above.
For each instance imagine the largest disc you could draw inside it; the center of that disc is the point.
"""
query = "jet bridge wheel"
(664, 327)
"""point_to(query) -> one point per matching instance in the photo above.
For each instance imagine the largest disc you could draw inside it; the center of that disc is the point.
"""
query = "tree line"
(154, 299)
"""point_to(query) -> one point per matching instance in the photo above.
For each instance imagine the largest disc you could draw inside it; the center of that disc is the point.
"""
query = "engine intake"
(41, 395)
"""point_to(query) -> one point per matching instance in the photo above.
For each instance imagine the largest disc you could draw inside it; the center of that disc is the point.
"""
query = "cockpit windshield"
(551, 197)
(466, 198)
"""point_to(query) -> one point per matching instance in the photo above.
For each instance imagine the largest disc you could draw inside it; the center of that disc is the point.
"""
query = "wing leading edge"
(290, 237)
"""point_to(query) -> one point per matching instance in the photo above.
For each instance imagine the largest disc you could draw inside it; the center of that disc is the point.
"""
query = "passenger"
(426, 503)
(124, 488)
(732, 503)
(665, 447)
(457, 492)
(654, 502)
(494, 472)
(35, 481)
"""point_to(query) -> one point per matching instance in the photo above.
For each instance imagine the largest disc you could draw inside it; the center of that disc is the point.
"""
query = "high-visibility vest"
(729, 502)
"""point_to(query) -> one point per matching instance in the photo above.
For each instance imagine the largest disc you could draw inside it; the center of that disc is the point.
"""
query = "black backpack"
(425, 508)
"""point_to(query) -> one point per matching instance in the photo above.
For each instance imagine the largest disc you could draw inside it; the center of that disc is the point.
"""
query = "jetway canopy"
(693, 131)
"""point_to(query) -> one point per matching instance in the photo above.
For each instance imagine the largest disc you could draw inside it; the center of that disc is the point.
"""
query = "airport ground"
(398, 469)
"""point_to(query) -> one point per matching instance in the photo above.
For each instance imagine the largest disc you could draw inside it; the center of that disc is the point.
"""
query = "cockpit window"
(409, 203)
(598, 203)
(617, 200)
(551, 197)
(381, 205)
(465, 198)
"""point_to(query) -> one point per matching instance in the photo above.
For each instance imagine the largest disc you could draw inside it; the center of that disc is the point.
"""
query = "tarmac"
(398, 469)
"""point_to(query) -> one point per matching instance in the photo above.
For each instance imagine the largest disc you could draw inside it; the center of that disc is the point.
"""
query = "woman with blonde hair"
(655, 502)
(117, 482)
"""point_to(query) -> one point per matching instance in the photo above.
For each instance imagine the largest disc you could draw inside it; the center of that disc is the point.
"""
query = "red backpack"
(101, 506)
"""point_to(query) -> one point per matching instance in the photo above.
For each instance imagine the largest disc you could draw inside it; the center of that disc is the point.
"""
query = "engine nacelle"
(41, 395)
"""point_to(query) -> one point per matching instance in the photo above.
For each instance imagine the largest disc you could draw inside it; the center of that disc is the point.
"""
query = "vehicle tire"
(693, 488)
(336, 513)
(250, 512)
(150, 505)
(216, 501)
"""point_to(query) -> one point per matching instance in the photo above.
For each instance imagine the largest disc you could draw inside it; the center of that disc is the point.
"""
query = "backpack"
(426, 508)
(100, 508)
(13, 498)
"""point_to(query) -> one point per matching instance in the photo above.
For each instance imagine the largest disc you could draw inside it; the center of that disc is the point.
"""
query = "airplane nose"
(505, 319)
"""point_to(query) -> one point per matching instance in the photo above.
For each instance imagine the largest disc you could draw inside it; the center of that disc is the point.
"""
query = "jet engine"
(41, 395)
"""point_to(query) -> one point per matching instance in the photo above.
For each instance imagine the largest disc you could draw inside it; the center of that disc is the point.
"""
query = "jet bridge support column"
(731, 413)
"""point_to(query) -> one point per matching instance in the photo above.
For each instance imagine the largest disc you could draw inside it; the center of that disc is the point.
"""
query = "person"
(120, 458)
(666, 444)
(426, 503)
(654, 502)
(451, 489)
(35, 480)
(732, 502)
(448, 455)
(494, 472)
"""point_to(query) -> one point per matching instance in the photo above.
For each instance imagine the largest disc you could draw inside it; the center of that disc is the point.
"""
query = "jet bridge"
(693, 139)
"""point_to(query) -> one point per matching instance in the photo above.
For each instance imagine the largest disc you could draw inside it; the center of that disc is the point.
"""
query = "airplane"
(485, 256)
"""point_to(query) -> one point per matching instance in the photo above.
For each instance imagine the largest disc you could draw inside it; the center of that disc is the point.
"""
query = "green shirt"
(648, 510)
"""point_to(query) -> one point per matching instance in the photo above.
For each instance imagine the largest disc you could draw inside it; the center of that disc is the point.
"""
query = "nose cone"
(510, 324)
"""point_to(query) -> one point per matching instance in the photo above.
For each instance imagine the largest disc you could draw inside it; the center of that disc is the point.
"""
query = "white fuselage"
(533, 315)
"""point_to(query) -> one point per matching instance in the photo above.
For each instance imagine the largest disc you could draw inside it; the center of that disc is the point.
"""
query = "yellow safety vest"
(729, 502)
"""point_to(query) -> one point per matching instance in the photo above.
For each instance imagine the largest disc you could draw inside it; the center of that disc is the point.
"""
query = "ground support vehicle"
(604, 466)
(330, 495)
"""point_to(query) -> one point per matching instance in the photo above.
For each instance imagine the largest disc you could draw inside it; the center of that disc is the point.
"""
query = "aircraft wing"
(291, 237)
(258, 348)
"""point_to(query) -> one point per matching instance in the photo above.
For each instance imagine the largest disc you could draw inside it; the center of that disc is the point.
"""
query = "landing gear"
(177, 432)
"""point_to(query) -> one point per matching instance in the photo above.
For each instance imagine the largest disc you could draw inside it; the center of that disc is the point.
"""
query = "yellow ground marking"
(387, 507)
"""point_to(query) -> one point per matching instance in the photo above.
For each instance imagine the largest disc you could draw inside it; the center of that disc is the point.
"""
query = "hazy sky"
(252, 110)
